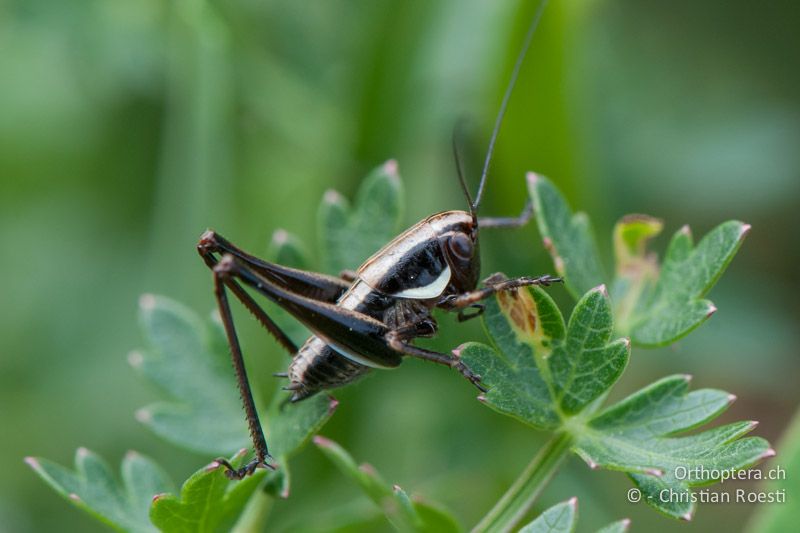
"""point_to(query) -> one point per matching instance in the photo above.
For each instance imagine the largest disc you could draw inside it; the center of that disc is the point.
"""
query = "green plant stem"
(519, 498)
(254, 517)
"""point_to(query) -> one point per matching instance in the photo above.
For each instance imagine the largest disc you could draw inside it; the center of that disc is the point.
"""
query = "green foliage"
(549, 373)
(93, 488)
(567, 237)
(550, 377)
(188, 359)
(637, 436)
(208, 500)
(539, 370)
(555, 377)
(674, 306)
(403, 512)
(654, 306)
(348, 235)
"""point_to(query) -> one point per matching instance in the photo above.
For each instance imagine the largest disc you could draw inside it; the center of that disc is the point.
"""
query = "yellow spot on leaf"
(523, 314)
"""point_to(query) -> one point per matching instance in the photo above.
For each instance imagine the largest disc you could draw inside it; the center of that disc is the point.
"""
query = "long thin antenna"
(459, 168)
(504, 104)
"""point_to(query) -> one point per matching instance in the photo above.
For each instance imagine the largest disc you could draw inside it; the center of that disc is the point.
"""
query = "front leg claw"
(236, 474)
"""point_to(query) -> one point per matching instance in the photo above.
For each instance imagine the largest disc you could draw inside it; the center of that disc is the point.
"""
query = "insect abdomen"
(317, 366)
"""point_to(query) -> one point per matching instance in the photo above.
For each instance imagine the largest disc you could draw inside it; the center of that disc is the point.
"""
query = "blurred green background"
(127, 128)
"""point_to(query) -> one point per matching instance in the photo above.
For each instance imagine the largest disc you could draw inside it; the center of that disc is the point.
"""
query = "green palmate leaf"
(93, 488)
(674, 306)
(348, 235)
(637, 436)
(587, 362)
(553, 376)
(654, 306)
(567, 237)
(402, 512)
(563, 517)
(540, 371)
(208, 501)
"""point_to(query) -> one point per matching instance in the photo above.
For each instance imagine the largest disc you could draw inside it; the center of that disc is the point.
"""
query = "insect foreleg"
(256, 433)
(508, 222)
(494, 284)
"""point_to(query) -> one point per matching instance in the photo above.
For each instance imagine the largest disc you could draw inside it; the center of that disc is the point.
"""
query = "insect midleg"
(494, 284)
(254, 424)
(397, 341)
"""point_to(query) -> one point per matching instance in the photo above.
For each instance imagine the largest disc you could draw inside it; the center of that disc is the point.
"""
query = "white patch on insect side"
(431, 290)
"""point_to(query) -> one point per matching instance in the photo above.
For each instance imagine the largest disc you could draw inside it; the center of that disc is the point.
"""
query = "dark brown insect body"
(399, 286)
(369, 318)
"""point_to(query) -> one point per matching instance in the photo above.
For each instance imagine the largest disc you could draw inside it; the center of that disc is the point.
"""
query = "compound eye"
(461, 246)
